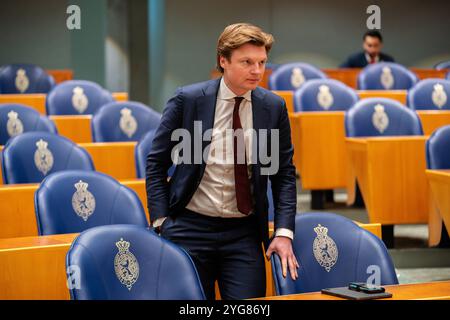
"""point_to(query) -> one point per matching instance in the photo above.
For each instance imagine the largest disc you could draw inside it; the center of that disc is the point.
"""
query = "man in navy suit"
(373, 43)
(215, 204)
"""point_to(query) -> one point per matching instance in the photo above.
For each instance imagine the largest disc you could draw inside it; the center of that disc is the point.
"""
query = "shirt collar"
(226, 94)
(377, 58)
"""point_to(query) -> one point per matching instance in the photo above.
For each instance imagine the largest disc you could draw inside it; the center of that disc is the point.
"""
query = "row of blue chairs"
(378, 76)
(117, 245)
(24, 78)
(115, 121)
(30, 157)
(368, 117)
(333, 95)
(135, 263)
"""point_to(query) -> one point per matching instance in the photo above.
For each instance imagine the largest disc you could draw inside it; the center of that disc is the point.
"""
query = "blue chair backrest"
(25, 78)
(447, 77)
(143, 148)
(123, 121)
(381, 117)
(16, 119)
(126, 262)
(438, 149)
(30, 157)
(386, 76)
(430, 94)
(291, 76)
(333, 251)
(75, 200)
(324, 95)
(76, 97)
(442, 65)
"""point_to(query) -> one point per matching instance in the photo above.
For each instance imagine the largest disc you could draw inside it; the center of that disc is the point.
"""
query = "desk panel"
(391, 175)
(439, 181)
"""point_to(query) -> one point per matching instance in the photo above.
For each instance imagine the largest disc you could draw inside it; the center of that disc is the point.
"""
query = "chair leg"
(359, 201)
(317, 199)
(387, 232)
(329, 195)
(445, 239)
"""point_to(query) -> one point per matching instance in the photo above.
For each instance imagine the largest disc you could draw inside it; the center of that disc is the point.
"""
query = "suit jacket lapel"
(205, 107)
(261, 116)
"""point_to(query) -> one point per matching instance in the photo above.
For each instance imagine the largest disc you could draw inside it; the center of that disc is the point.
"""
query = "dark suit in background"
(359, 60)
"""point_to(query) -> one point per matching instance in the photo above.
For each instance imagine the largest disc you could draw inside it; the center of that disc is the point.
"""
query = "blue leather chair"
(381, 117)
(123, 121)
(447, 77)
(17, 118)
(386, 76)
(126, 262)
(291, 76)
(76, 97)
(333, 251)
(25, 78)
(75, 200)
(143, 147)
(324, 95)
(442, 65)
(430, 94)
(30, 157)
(438, 149)
(438, 158)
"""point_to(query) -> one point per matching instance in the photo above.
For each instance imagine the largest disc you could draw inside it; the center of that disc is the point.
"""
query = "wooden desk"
(113, 158)
(17, 211)
(37, 100)
(439, 290)
(391, 175)
(74, 128)
(34, 267)
(398, 95)
(61, 75)
(320, 153)
(439, 181)
(433, 119)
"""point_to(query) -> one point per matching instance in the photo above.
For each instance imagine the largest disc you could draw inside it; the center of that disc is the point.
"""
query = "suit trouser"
(224, 249)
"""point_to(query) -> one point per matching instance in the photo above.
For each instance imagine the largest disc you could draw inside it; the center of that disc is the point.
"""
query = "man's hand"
(283, 247)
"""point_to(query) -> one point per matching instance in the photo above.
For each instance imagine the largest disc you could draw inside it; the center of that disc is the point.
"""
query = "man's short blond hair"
(238, 34)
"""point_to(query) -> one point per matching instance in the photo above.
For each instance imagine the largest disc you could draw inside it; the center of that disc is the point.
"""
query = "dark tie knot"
(237, 102)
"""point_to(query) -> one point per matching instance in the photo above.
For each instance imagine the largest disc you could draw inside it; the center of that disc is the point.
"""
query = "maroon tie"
(241, 180)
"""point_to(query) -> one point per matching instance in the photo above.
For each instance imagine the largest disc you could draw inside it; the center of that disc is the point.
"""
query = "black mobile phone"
(363, 287)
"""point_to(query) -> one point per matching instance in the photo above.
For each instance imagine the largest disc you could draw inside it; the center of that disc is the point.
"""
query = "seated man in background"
(373, 43)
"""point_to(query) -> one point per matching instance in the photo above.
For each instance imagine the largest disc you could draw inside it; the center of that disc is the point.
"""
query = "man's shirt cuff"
(283, 232)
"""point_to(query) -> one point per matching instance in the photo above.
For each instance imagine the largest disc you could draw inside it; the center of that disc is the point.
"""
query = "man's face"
(245, 69)
(372, 45)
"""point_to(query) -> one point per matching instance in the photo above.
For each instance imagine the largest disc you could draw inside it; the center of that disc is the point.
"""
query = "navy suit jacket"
(358, 60)
(197, 102)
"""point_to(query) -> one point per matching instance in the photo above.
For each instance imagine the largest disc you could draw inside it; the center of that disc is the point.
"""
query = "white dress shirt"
(216, 194)
(368, 58)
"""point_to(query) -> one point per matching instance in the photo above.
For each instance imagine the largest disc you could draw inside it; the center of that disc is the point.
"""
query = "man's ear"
(222, 61)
